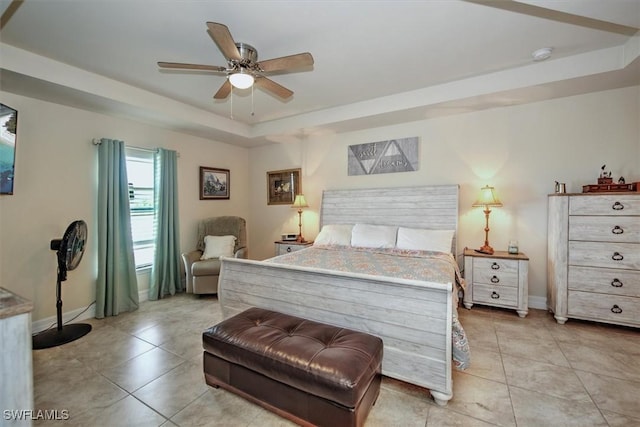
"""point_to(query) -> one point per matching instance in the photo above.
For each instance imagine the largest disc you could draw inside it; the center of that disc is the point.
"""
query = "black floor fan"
(69, 252)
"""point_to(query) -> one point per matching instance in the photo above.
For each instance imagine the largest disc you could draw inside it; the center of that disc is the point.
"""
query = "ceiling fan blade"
(221, 35)
(183, 66)
(287, 62)
(273, 87)
(224, 90)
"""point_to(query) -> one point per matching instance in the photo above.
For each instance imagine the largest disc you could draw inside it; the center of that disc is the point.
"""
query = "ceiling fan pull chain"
(252, 113)
(231, 104)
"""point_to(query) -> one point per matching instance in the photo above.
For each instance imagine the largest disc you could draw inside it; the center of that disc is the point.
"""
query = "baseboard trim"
(43, 324)
(538, 302)
(143, 295)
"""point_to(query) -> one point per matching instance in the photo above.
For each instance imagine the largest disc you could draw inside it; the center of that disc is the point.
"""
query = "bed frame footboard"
(413, 318)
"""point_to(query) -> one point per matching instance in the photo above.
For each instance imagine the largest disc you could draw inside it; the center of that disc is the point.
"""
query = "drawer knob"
(617, 256)
(496, 295)
(616, 283)
(615, 309)
(288, 248)
(495, 279)
(617, 206)
(617, 230)
(495, 266)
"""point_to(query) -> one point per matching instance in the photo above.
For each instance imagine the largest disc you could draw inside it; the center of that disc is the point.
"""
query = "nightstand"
(499, 280)
(284, 247)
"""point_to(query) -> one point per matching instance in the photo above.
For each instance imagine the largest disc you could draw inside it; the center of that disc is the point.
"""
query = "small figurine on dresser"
(605, 177)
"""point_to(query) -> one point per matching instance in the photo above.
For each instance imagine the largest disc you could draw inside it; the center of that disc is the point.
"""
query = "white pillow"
(425, 240)
(335, 234)
(373, 236)
(217, 246)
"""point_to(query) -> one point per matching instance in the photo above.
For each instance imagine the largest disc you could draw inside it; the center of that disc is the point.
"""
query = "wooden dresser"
(593, 257)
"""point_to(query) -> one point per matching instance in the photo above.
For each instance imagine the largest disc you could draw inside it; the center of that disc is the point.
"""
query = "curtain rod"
(96, 141)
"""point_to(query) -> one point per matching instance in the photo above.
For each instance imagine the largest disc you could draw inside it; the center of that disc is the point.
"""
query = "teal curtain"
(166, 277)
(117, 285)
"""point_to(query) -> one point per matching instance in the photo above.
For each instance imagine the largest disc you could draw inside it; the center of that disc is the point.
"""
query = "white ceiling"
(376, 62)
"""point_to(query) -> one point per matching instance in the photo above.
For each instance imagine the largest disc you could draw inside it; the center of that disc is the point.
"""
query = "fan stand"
(63, 333)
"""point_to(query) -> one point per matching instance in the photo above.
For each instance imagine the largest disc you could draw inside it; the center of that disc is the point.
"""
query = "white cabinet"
(593, 261)
(16, 371)
(499, 280)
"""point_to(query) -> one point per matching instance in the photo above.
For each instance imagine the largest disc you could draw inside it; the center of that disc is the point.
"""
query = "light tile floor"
(145, 369)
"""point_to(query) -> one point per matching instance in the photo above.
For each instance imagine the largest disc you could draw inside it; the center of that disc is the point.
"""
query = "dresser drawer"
(608, 255)
(613, 308)
(622, 204)
(495, 271)
(605, 228)
(495, 295)
(605, 280)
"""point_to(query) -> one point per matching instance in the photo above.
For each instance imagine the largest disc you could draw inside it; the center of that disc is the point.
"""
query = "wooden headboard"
(433, 207)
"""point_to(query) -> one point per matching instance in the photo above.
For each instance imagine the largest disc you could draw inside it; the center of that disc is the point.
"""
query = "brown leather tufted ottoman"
(308, 372)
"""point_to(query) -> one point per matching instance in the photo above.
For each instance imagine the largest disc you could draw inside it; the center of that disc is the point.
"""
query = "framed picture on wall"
(282, 186)
(214, 183)
(8, 131)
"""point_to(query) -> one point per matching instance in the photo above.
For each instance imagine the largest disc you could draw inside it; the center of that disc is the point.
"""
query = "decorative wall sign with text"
(394, 155)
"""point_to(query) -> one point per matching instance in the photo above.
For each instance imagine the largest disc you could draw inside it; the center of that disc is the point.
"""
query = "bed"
(415, 316)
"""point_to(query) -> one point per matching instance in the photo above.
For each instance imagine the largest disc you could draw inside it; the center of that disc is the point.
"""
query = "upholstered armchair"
(202, 274)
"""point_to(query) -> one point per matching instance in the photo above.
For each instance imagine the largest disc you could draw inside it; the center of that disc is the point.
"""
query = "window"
(140, 174)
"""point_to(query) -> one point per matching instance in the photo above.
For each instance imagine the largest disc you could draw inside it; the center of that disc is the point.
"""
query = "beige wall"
(56, 183)
(520, 150)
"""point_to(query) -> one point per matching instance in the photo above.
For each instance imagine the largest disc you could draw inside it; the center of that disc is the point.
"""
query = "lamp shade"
(241, 80)
(487, 197)
(300, 202)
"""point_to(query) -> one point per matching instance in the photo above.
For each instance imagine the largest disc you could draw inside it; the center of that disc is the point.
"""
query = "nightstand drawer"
(495, 272)
(288, 247)
(495, 295)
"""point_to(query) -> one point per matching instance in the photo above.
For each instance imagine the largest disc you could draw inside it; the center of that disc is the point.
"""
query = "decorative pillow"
(217, 246)
(373, 236)
(425, 240)
(335, 234)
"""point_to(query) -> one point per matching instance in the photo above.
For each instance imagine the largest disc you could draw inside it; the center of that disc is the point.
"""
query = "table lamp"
(299, 203)
(487, 199)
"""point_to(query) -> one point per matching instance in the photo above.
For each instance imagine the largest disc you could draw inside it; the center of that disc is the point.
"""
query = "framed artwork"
(214, 183)
(282, 186)
(393, 155)
(8, 131)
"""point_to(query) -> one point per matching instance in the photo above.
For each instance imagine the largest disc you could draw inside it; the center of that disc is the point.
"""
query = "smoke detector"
(542, 54)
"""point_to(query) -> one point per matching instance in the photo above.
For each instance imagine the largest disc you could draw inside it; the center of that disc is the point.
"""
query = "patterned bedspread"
(429, 266)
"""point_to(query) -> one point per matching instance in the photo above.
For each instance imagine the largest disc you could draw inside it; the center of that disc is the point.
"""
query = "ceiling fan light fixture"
(241, 80)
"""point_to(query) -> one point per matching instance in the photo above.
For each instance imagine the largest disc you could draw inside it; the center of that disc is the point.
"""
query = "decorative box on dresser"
(284, 247)
(593, 257)
(499, 280)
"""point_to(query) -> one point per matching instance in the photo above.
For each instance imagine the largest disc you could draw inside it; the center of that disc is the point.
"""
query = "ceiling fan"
(243, 68)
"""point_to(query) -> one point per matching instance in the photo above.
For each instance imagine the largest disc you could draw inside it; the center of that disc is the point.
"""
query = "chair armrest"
(241, 253)
(188, 259)
(192, 256)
